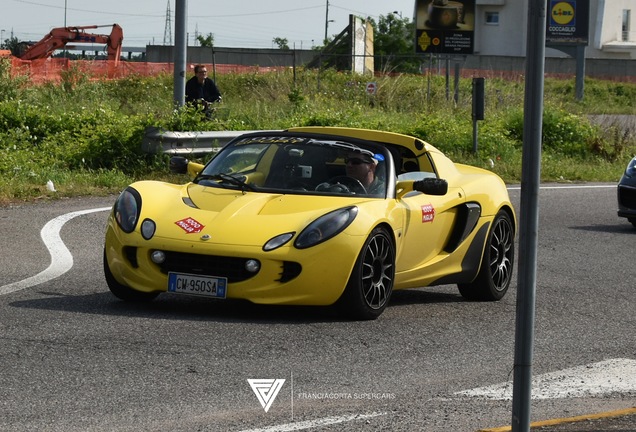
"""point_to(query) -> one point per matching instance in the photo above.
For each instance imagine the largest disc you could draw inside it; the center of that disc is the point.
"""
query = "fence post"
(478, 106)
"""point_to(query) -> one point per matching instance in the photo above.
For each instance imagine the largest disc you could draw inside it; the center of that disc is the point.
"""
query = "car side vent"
(131, 255)
(290, 270)
(467, 217)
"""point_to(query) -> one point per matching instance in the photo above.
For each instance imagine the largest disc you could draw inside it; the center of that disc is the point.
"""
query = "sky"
(237, 23)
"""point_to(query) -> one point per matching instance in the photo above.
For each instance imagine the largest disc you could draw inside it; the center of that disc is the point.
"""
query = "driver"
(362, 167)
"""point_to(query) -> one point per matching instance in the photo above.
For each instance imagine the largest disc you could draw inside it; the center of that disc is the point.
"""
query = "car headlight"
(631, 168)
(277, 241)
(326, 227)
(127, 209)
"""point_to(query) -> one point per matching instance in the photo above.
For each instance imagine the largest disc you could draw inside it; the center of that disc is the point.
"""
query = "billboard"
(444, 26)
(567, 22)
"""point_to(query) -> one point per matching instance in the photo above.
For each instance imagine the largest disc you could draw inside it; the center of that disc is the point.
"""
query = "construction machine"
(60, 36)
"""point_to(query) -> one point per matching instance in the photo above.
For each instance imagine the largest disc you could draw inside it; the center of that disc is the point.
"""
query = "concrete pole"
(180, 51)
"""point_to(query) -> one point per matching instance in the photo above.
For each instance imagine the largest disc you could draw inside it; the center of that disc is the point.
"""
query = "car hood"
(230, 216)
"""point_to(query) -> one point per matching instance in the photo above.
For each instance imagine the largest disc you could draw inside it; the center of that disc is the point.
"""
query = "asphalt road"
(73, 358)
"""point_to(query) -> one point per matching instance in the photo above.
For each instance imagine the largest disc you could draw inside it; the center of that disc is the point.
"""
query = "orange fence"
(52, 69)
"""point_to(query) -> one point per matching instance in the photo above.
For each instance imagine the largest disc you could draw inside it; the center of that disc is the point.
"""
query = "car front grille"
(627, 197)
(220, 266)
(228, 267)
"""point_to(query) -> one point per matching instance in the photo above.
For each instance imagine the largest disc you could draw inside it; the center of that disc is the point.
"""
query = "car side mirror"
(431, 186)
(178, 165)
(428, 186)
(181, 165)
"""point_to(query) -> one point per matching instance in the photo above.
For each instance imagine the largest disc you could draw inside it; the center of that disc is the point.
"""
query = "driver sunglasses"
(356, 161)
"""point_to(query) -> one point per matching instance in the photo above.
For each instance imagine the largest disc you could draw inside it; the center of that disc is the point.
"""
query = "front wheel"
(371, 282)
(123, 292)
(495, 273)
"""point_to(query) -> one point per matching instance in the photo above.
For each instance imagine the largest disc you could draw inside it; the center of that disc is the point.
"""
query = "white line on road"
(61, 258)
(605, 377)
(308, 424)
(612, 186)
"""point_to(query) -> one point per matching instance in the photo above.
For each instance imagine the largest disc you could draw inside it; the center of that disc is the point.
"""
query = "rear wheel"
(371, 283)
(495, 273)
(122, 291)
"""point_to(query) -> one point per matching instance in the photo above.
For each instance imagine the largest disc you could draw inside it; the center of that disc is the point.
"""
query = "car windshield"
(298, 165)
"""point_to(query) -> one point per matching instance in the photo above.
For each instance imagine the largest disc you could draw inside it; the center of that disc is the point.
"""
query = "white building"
(500, 29)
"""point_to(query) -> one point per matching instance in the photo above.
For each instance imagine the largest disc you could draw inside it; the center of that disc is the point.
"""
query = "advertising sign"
(567, 22)
(444, 26)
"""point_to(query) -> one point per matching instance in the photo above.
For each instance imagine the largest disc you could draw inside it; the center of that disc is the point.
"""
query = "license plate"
(206, 286)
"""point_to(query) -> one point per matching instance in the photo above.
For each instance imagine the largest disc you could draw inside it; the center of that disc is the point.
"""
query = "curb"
(559, 421)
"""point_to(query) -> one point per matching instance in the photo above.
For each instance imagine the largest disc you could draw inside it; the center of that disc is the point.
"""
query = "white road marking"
(606, 377)
(61, 258)
(309, 424)
(613, 186)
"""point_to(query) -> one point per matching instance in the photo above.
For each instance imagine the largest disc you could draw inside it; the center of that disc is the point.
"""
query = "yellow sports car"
(314, 216)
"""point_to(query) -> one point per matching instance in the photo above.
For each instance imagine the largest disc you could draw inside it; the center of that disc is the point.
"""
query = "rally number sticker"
(190, 225)
(428, 213)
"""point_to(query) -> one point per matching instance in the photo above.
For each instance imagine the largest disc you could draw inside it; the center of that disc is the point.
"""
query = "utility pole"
(326, 21)
(180, 51)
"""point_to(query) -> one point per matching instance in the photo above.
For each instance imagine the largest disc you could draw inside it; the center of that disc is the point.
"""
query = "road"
(74, 358)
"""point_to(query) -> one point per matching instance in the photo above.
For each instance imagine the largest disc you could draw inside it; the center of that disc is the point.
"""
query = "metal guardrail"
(186, 143)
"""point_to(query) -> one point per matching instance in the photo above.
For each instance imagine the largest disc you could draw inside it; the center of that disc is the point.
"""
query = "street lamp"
(1, 37)
(398, 13)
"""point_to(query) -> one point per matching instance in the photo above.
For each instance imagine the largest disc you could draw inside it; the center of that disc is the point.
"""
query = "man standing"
(201, 90)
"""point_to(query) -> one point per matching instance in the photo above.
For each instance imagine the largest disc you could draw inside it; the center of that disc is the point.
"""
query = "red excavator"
(59, 37)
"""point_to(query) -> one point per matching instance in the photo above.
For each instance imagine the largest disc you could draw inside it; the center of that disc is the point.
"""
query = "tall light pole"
(65, 25)
(180, 50)
(327, 21)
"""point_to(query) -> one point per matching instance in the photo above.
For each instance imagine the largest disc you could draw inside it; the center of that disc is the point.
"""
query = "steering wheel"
(344, 184)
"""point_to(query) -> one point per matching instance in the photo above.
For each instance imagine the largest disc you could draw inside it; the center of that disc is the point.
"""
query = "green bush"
(82, 130)
(562, 132)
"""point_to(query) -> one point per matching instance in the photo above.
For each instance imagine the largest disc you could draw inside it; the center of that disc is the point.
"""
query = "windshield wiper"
(236, 181)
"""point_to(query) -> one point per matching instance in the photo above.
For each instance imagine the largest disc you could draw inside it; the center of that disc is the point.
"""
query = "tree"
(394, 44)
(206, 41)
(282, 43)
(14, 45)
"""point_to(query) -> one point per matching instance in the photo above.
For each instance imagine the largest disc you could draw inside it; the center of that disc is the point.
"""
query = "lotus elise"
(314, 216)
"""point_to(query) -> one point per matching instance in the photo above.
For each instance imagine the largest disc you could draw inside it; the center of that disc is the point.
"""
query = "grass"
(85, 135)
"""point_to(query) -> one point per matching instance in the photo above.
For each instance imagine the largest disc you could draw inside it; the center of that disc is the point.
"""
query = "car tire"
(632, 221)
(123, 292)
(496, 269)
(371, 282)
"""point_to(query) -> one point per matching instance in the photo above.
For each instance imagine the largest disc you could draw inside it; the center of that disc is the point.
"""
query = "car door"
(428, 223)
